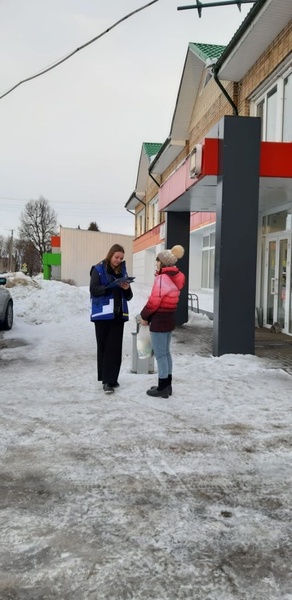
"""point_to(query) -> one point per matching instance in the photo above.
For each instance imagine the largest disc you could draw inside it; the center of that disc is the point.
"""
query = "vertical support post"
(178, 232)
(236, 235)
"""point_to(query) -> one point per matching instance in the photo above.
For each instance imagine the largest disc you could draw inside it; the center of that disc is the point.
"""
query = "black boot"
(162, 390)
(169, 379)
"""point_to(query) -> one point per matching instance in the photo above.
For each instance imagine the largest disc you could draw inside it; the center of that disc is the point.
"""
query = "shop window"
(208, 261)
(278, 221)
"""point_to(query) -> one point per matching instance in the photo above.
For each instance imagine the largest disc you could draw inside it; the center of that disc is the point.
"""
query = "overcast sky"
(74, 135)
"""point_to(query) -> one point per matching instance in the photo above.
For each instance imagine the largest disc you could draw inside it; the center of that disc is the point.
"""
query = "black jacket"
(96, 289)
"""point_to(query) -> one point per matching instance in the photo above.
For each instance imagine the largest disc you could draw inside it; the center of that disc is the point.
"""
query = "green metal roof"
(205, 51)
(151, 148)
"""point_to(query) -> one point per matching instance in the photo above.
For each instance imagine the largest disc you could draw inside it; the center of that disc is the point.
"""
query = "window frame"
(261, 98)
(209, 251)
(153, 213)
(141, 222)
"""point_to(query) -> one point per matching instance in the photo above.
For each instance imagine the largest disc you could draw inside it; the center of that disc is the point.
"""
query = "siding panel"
(80, 249)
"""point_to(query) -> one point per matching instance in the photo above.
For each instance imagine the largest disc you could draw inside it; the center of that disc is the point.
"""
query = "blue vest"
(102, 307)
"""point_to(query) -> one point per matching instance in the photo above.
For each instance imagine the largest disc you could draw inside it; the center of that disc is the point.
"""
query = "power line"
(17, 199)
(62, 204)
(61, 60)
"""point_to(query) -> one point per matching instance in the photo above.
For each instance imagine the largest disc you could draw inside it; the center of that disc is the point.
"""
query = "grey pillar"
(178, 232)
(236, 235)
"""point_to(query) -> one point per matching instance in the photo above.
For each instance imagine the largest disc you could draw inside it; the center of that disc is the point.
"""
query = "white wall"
(150, 259)
(144, 264)
(195, 267)
(80, 249)
(139, 266)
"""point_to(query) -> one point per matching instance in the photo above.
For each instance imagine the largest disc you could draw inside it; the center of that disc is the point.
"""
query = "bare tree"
(32, 259)
(38, 224)
(93, 226)
(19, 249)
(7, 253)
(2, 247)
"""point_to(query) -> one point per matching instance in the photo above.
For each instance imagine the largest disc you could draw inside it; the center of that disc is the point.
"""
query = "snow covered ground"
(130, 497)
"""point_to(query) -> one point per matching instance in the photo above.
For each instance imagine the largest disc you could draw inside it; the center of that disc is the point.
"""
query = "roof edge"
(159, 154)
(239, 33)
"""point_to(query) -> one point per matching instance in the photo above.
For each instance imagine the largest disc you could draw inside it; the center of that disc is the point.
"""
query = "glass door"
(278, 282)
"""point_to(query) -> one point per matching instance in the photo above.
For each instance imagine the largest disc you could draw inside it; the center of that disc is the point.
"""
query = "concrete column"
(237, 206)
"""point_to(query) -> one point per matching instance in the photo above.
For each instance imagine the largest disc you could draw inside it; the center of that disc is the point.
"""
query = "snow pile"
(36, 300)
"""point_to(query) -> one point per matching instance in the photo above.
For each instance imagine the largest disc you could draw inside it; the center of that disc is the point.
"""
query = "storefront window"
(208, 261)
(211, 268)
(282, 278)
(205, 269)
(271, 282)
(279, 221)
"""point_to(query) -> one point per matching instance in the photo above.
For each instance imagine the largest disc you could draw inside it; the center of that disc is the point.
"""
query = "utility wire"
(59, 62)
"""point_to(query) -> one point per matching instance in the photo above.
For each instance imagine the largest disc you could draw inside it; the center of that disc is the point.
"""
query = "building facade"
(250, 77)
(74, 252)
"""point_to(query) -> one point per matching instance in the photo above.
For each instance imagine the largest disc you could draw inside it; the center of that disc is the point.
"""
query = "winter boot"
(169, 379)
(162, 390)
(108, 388)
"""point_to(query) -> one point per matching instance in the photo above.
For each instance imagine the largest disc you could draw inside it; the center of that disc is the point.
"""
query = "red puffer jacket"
(160, 308)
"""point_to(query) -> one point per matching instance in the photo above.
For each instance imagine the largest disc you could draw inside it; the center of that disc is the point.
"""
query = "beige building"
(80, 249)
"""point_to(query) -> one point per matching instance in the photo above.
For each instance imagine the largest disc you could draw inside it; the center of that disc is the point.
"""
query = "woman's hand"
(125, 285)
(145, 323)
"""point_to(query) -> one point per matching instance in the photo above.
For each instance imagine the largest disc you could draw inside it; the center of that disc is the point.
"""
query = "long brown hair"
(115, 248)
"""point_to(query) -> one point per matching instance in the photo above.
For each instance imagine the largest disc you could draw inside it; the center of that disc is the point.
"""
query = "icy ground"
(131, 497)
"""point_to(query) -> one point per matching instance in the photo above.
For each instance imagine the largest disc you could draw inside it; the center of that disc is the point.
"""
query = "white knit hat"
(168, 258)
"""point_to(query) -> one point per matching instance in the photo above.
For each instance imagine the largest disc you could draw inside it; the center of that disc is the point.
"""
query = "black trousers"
(109, 339)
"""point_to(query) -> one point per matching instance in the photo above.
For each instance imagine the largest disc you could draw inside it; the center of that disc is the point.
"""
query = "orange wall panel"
(151, 238)
(201, 219)
(55, 241)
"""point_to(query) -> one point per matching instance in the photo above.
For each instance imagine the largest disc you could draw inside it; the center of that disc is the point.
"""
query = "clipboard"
(119, 280)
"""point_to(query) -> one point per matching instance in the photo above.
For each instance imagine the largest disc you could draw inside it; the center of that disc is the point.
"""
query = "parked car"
(6, 306)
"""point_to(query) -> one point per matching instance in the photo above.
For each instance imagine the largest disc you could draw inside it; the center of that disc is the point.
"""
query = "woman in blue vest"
(109, 311)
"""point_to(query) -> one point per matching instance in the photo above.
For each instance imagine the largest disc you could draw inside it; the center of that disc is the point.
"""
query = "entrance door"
(277, 280)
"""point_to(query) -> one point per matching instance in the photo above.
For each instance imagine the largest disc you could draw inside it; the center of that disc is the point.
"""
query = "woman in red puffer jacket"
(159, 314)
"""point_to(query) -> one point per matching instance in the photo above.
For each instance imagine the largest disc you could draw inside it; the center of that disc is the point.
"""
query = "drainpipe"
(139, 200)
(158, 184)
(222, 88)
(134, 196)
